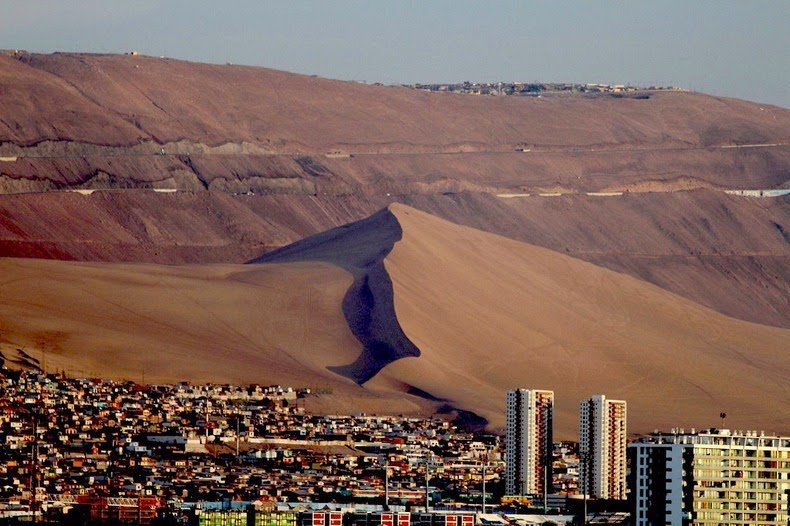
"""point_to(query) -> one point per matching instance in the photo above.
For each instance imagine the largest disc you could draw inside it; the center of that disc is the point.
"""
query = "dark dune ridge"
(360, 248)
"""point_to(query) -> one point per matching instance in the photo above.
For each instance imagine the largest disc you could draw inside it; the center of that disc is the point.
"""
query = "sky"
(737, 49)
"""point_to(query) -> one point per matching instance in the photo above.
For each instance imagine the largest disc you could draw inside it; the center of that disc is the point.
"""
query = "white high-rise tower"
(528, 441)
(602, 442)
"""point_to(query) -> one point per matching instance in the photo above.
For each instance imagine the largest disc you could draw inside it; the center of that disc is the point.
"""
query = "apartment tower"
(602, 441)
(712, 478)
(528, 441)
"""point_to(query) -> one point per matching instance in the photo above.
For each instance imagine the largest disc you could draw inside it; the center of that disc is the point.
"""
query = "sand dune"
(209, 323)
(127, 320)
(360, 248)
(485, 313)
(489, 313)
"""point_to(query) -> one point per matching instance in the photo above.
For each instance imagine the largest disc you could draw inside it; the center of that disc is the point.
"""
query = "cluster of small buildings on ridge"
(533, 89)
(711, 477)
(119, 452)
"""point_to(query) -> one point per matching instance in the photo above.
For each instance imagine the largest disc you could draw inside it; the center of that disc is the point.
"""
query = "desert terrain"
(253, 159)
(408, 251)
(454, 317)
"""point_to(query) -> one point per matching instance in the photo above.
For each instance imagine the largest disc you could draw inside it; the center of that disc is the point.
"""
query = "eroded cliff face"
(659, 171)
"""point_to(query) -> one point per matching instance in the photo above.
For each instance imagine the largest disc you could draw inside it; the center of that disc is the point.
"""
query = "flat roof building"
(602, 442)
(529, 441)
(714, 477)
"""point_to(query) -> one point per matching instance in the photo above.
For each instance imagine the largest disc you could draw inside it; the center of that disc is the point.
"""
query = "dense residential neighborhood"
(65, 438)
(93, 451)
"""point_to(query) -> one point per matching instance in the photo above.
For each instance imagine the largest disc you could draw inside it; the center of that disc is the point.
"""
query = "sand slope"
(485, 312)
(360, 248)
(128, 319)
(272, 324)
(489, 313)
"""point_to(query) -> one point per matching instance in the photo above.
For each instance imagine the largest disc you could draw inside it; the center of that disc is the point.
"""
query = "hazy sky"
(739, 49)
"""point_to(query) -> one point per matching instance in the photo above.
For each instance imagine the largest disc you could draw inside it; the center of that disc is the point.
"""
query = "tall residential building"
(715, 477)
(528, 441)
(602, 441)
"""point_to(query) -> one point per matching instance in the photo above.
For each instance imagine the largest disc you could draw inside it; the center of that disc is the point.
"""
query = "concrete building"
(528, 441)
(602, 441)
(715, 477)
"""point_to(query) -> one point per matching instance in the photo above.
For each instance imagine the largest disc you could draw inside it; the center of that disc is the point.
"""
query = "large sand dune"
(203, 323)
(485, 312)
(489, 313)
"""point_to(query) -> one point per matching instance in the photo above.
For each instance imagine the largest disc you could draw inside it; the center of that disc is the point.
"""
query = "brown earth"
(121, 99)
(81, 121)
(486, 313)
(727, 252)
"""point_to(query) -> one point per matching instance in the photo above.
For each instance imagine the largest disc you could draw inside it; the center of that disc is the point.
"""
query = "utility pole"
(34, 468)
(585, 484)
(237, 434)
(427, 495)
(545, 488)
(387, 484)
(206, 421)
(484, 486)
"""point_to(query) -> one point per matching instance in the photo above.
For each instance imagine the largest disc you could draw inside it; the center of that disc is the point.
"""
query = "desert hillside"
(271, 324)
(120, 122)
(489, 313)
(404, 303)
(198, 163)
(120, 100)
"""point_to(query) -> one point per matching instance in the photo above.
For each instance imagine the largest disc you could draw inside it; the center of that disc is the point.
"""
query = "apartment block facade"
(529, 441)
(714, 477)
(602, 447)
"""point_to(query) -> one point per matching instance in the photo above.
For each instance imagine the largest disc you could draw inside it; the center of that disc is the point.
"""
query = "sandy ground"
(486, 312)
(489, 314)
(218, 323)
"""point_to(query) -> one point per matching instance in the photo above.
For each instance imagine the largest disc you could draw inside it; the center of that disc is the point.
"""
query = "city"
(96, 451)
(278, 264)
